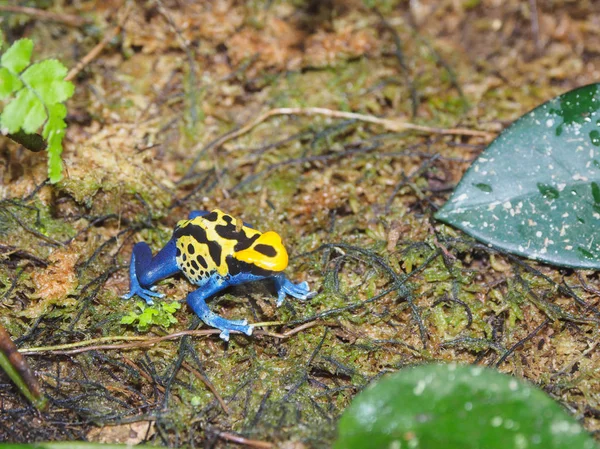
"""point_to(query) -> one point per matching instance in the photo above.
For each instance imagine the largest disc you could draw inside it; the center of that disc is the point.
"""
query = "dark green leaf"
(457, 407)
(543, 175)
(596, 192)
(484, 187)
(548, 191)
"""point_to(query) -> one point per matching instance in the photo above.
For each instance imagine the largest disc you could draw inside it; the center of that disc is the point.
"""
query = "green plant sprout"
(160, 314)
(34, 96)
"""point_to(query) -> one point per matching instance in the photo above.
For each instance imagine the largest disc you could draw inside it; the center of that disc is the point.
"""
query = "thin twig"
(521, 342)
(535, 25)
(142, 373)
(15, 365)
(142, 342)
(241, 440)
(402, 61)
(67, 19)
(291, 332)
(393, 125)
(94, 52)
(192, 89)
(208, 384)
(33, 231)
(570, 365)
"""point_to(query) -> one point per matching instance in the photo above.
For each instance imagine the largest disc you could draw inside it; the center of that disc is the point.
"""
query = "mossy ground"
(353, 203)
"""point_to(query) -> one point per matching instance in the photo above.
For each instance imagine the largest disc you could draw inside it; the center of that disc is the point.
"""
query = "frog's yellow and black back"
(219, 243)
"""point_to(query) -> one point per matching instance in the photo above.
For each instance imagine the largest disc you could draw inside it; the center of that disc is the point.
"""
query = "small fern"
(34, 96)
(160, 314)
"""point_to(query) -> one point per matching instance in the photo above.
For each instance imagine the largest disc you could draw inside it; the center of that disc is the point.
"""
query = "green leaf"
(25, 111)
(129, 319)
(47, 79)
(171, 307)
(19, 372)
(457, 407)
(147, 317)
(9, 83)
(534, 190)
(17, 57)
(160, 314)
(53, 132)
(41, 91)
(35, 116)
(596, 192)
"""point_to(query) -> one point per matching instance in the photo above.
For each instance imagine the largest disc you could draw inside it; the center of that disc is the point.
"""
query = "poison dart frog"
(214, 251)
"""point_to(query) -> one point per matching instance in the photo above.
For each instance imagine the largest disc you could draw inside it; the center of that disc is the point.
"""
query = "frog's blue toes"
(286, 287)
(144, 293)
(198, 304)
(226, 326)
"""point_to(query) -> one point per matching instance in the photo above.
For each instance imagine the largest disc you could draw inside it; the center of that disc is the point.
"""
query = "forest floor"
(167, 118)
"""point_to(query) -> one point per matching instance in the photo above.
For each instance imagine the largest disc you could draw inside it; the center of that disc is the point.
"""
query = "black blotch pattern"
(199, 233)
(195, 265)
(245, 243)
(267, 250)
(191, 248)
(227, 219)
(213, 216)
(214, 249)
(184, 258)
(178, 254)
(237, 266)
(233, 265)
(202, 261)
(229, 232)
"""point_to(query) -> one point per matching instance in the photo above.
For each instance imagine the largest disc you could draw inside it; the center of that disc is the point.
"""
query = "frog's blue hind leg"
(145, 270)
(197, 301)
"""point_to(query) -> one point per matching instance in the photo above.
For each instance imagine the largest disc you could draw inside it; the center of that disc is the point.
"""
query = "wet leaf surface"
(457, 407)
(534, 190)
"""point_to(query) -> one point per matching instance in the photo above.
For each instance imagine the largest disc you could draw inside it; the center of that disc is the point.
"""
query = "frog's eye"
(266, 252)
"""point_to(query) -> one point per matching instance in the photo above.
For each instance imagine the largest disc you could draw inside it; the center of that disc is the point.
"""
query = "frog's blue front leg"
(286, 287)
(145, 270)
(197, 301)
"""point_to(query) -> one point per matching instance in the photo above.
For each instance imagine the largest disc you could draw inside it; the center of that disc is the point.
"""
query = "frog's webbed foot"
(147, 294)
(197, 302)
(285, 287)
(144, 293)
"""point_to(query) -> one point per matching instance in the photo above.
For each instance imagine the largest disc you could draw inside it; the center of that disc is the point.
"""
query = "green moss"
(471, 4)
